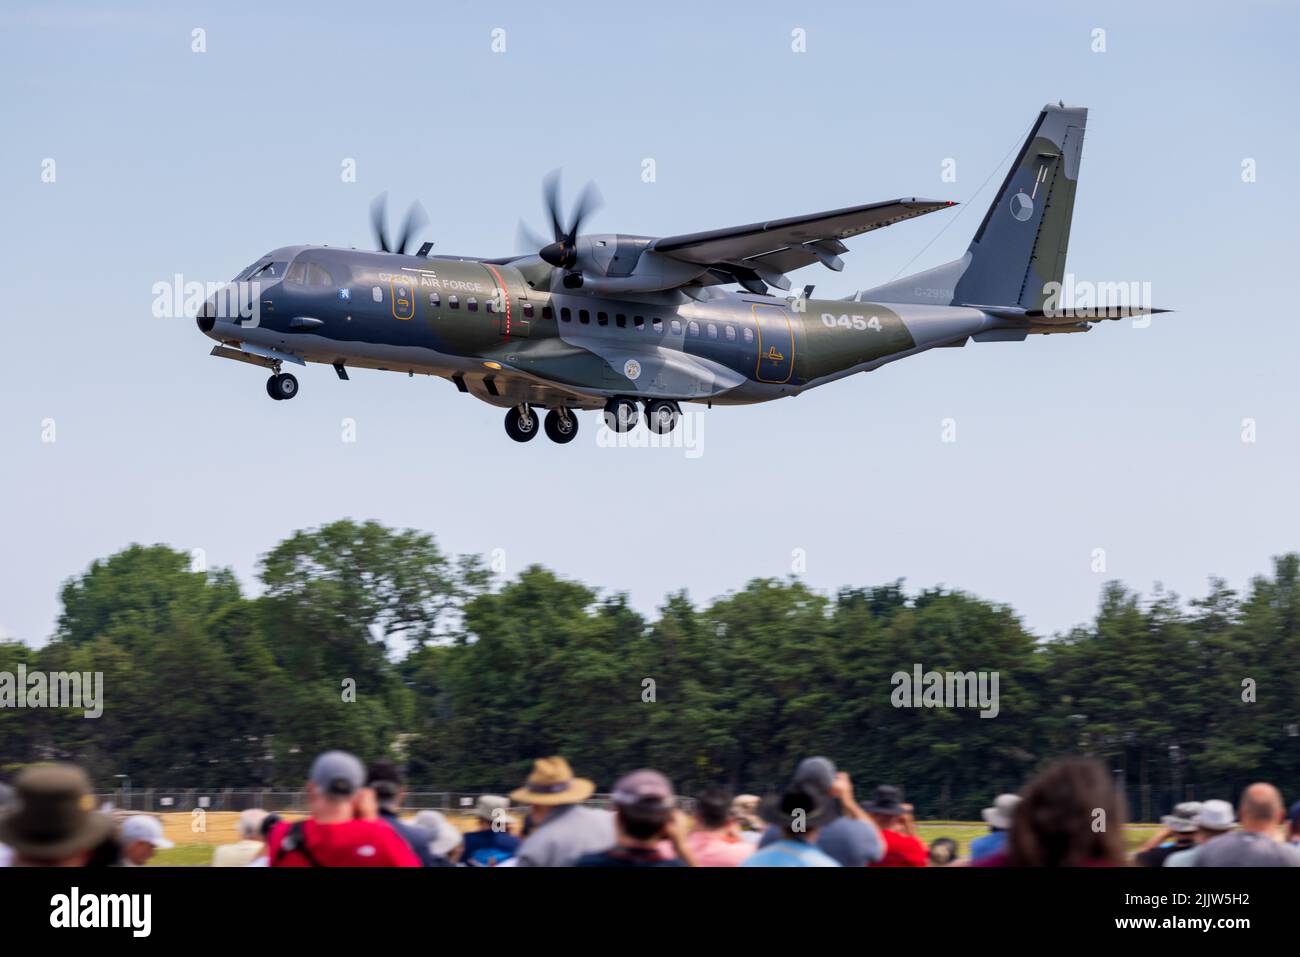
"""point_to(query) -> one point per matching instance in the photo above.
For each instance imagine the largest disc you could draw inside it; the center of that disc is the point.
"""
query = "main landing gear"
(522, 424)
(661, 415)
(282, 385)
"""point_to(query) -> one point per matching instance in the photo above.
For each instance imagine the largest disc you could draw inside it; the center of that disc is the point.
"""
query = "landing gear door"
(775, 344)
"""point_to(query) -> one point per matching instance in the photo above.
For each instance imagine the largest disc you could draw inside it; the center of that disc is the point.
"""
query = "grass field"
(194, 848)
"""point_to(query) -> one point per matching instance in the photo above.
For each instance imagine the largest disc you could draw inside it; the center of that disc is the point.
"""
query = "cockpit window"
(269, 271)
(297, 273)
(317, 276)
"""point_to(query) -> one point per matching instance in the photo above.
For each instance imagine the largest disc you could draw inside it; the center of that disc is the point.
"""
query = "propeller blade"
(416, 219)
(526, 240)
(378, 221)
(551, 197)
(588, 202)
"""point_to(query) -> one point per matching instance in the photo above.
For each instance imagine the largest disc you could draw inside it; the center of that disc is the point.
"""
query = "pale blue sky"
(1126, 439)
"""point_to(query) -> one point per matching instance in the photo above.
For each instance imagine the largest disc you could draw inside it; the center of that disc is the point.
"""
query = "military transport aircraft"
(613, 322)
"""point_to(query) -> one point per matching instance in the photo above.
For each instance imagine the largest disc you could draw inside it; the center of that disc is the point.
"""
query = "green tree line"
(375, 640)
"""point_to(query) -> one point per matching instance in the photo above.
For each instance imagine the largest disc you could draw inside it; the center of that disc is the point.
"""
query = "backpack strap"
(296, 840)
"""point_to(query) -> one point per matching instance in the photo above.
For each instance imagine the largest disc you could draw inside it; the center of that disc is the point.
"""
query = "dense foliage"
(375, 640)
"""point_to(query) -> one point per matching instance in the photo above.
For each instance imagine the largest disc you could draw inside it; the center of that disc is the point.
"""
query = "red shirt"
(901, 850)
(355, 843)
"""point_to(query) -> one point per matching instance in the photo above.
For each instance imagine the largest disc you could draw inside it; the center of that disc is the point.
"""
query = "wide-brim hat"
(888, 802)
(552, 782)
(52, 816)
(779, 809)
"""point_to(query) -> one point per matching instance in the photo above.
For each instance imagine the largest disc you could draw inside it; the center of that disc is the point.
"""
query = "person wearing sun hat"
(563, 830)
(51, 822)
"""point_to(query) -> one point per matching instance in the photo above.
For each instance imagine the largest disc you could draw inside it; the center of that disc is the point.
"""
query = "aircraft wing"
(781, 245)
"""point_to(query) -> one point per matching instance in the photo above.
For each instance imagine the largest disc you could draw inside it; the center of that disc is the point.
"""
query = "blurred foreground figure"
(492, 844)
(1178, 833)
(561, 829)
(645, 815)
(1213, 820)
(847, 833)
(716, 840)
(894, 818)
(998, 818)
(244, 851)
(1256, 844)
(141, 837)
(344, 829)
(49, 823)
(797, 817)
(1070, 816)
(386, 781)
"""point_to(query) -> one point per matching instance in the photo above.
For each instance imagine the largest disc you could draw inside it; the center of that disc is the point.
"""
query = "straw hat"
(552, 782)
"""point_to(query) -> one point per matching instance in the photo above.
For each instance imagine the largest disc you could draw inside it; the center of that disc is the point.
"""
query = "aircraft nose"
(206, 317)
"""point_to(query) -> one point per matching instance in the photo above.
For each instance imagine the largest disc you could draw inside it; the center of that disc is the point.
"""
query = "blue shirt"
(489, 846)
(789, 853)
(987, 844)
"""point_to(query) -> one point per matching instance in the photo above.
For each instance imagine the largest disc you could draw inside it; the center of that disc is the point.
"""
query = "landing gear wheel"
(521, 425)
(282, 386)
(661, 416)
(620, 415)
(561, 425)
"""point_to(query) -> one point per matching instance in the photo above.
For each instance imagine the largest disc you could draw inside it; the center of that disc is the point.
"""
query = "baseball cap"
(142, 827)
(644, 788)
(818, 771)
(337, 774)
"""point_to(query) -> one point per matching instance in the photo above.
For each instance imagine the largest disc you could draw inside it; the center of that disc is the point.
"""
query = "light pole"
(126, 790)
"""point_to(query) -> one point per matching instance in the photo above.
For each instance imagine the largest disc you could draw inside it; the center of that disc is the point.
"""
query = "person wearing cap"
(1255, 843)
(344, 829)
(998, 818)
(244, 851)
(1178, 833)
(797, 816)
(444, 837)
(562, 829)
(645, 816)
(894, 818)
(492, 843)
(1213, 820)
(716, 840)
(386, 781)
(141, 837)
(848, 835)
(50, 822)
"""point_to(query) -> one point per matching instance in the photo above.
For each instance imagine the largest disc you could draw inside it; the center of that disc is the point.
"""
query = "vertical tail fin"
(1020, 246)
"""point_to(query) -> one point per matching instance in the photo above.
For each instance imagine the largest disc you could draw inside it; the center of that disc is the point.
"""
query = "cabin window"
(692, 328)
(749, 334)
(620, 320)
(602, 318)
(528, 310)
(584, 317)
(376, 294)
(677, 328)
(639, 323)
(658, 325)
(566, 315)
(471, 304)
(713, 331)
(435, 300)
(453, 302)
(546, 312)
(490, 305)
(730, 333)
